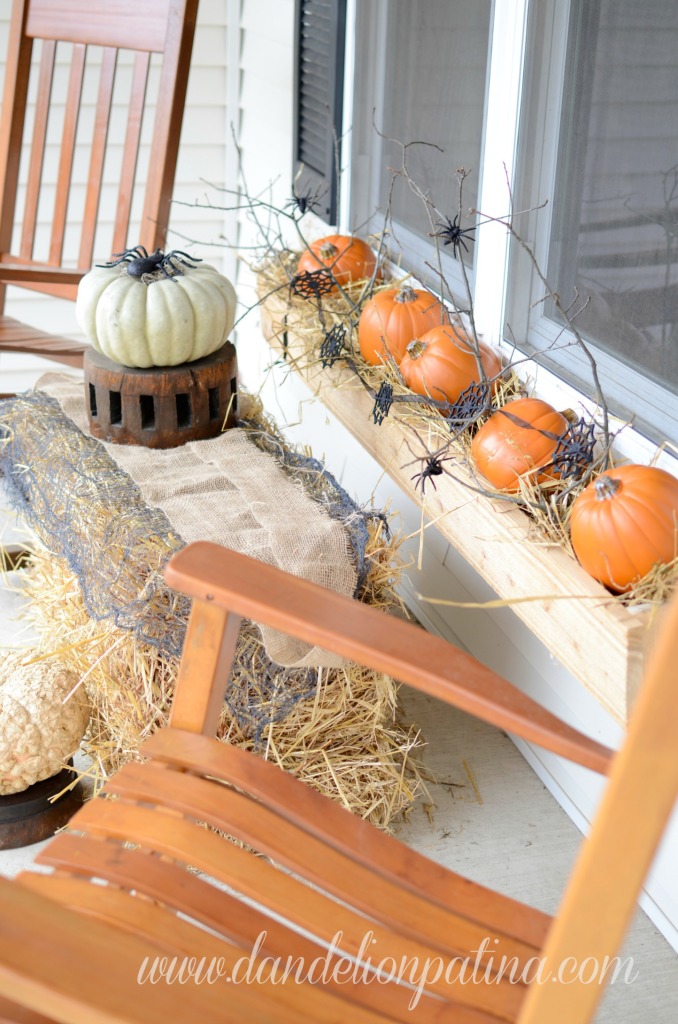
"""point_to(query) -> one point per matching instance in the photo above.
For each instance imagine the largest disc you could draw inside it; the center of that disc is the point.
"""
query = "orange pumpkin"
(443, 363)
(393, 318)
(518, 439)
(349, 259)
(624, 523)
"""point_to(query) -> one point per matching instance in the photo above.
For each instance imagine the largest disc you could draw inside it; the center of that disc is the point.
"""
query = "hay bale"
(99, 603)
(345, 739)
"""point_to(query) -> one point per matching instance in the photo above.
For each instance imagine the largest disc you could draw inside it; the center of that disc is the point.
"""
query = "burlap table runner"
(228, 491)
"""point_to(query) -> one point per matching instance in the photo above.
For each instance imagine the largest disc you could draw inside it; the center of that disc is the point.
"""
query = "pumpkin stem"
(328, 251)
(606, 487)
(416, 348)
(406, 293)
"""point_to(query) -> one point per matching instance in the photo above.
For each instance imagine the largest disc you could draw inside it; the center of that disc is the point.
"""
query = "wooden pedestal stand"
(164, 406)
(29, 817)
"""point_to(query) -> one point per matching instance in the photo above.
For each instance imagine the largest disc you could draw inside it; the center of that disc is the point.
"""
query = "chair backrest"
(98, 119)
(601, 897)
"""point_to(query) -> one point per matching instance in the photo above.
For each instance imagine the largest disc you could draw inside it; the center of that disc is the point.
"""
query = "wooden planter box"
(602, 643)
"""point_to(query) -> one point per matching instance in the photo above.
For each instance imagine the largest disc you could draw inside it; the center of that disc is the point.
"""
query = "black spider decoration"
(303, 201)
(472, 403)
(332, 345)
(312, 284)
(139, 262)
(453, 234)
(382, 402)
(433, 466)
(574, 452)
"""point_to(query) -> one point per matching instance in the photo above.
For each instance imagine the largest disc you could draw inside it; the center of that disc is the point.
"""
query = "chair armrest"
(17, 273)
(215, 575)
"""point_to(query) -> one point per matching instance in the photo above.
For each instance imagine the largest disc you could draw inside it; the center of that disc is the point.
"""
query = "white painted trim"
(426, 614)
(347, 119)
(230, 217)
(504, 95)
(559, 789)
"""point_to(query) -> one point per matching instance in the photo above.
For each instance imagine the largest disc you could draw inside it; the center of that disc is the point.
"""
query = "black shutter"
(320, 30)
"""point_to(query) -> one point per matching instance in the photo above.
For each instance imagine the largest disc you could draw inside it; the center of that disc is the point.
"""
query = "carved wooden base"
(164, 406)
(28, 817)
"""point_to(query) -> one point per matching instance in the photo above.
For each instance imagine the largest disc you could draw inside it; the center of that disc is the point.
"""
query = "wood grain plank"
(256, 879)
(357, 839)
(372, 638)
(14, 100)
(600, 899)
(18, 337)
(97, 156)
(177, 936)
(363, 887)
(10, 1013)
(40, 116)
(130, 152)
(180, 24)
(128, 24)
(68, 135)
(209, 650)
(32, 274)
(52, 965)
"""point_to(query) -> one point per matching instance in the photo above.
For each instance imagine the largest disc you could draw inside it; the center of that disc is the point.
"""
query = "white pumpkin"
(43, 717)
(156, 320)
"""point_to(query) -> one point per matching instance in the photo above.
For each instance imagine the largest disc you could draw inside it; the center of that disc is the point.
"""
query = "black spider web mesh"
(382, 402)
(332, 345)
(574, 452)
(312, 284)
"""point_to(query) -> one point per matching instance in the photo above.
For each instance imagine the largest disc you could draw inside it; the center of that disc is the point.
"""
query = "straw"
(346, 740)
(547, 504)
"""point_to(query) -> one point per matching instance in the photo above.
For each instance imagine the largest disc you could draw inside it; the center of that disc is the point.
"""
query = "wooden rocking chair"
(122, 902)
(164, 27)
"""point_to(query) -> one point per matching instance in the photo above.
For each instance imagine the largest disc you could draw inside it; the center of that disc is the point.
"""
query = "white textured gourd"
(39, 728)
(165, 322)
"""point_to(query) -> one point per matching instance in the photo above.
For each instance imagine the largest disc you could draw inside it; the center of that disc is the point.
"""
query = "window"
(579, 101)
(425, 91)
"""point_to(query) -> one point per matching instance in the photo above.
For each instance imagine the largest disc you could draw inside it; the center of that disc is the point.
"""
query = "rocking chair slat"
(176, 937)
(68, 134)
(346, 832)
(37, 148)
(73, 959)
(97, 157)
(130, 155)
(367, 887)
(256, 879)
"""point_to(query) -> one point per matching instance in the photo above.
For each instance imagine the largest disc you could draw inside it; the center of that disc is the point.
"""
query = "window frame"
(498, 265)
